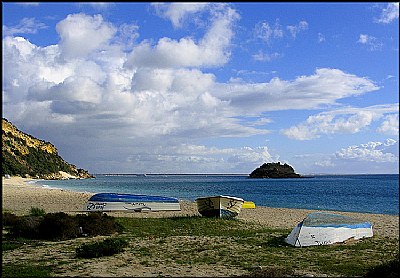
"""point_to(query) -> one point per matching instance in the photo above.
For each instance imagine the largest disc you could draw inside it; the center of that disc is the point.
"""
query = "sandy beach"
(19, 196)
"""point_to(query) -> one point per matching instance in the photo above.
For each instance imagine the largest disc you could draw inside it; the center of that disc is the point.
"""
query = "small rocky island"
(274, 171)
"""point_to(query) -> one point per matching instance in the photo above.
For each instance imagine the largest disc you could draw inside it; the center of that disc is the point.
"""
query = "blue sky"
(207, 87)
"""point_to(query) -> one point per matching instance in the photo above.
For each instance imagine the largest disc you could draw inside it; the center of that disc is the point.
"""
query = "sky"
(206, 87)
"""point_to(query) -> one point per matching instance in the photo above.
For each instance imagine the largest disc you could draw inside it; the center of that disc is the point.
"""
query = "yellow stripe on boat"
(248, 205)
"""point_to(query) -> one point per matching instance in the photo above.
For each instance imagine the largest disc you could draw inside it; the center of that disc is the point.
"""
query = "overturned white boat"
(131, 202)
(322, 228)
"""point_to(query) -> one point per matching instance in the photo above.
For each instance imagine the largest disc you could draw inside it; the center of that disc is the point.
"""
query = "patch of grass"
(194, 240)
(25, 270)
(232, 244)
(389, 269)
(188, 226)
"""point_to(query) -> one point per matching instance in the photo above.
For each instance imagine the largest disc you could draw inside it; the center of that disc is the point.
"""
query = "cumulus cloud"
(374, 157)
(211, 50)
(82, 34)
(25, 26)
(201, 158)
(371, 151)
(121, 95)
(390, 125)
(389, 14)
(347, 120)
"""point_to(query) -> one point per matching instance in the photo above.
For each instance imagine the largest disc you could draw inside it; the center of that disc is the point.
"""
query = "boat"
(219, 206)
(248, 205)
(320, 228)
(131, 202)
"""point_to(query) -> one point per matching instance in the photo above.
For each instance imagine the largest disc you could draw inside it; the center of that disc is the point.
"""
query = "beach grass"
(233, 243)
(191, 242)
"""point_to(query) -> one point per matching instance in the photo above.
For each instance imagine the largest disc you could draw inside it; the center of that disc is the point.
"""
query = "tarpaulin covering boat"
(131, 202)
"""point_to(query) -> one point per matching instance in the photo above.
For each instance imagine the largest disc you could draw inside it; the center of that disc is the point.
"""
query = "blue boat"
(131, 202)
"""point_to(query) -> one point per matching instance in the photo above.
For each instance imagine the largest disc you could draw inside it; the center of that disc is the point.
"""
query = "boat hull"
(219, 206)
(325, 228)
(131, 202)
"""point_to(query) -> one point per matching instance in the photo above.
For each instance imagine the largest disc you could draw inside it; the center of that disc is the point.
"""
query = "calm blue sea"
(355, 193)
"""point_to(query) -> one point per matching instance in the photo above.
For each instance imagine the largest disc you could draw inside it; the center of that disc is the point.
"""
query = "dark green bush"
(97, 223)
(9, 219)
(26, 226)
(58, 226)
(36, 212)
(107, 247)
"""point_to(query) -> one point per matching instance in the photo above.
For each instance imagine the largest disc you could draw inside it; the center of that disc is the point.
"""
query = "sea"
(351, 193)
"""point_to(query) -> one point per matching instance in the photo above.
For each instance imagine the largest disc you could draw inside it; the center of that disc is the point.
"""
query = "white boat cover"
(322, 228)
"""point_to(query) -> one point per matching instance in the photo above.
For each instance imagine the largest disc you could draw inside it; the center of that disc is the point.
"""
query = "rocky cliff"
(274, 171)
(27, 156)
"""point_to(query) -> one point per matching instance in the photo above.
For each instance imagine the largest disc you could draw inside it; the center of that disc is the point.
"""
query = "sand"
(18, 196)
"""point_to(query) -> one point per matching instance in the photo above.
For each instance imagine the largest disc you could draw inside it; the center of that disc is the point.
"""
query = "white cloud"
(265, 32)
(268, 33)
(28, 4)
(201, 158)
(211, 50)
(82, 34)
(390, 125)
(389, 14)
(305, 92)
(177, 12)
(261, 56)
(295, 29)
(371, 152)
(347, 120)
(121, 102)
(321, 38)
(370, 41)
(25, 26)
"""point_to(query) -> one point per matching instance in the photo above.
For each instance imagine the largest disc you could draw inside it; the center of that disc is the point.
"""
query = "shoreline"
(19, 195)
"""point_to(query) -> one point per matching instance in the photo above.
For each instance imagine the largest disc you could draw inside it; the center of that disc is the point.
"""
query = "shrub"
(58, 226)
(9, 219)
(107, 247)
(97, 223)
(37, 212)
(26, 226)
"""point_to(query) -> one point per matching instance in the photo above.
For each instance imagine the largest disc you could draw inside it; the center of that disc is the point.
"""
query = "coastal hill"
(26, 156)
(274, 171)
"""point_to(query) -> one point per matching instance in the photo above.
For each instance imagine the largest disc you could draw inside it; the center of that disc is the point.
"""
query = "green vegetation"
(219, 243)
(35, 162)
(59, 226)
(23, 154)
(25, 270)
(107, 247)
(36, 212)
